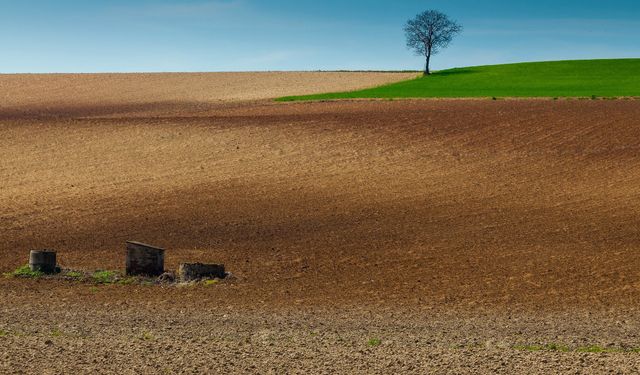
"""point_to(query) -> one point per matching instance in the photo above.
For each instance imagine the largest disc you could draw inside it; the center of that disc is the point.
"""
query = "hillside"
(141, 92)
(580, 78)
(413, 236)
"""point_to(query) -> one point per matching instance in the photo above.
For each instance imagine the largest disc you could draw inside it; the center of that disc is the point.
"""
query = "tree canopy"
(430, 32)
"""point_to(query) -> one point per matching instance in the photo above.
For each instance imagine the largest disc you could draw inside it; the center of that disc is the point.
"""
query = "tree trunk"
(427, 71)
(42, 261)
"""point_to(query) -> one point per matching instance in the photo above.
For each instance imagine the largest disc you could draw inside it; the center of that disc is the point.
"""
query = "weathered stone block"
(197, 271)
(143, 259)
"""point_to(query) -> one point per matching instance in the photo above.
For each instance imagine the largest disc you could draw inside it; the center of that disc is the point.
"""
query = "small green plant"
(374, 342)
(25, 271)
(147, 336)
(556, 348)
(127, 281)
(211, 282)
(104, 277)
(3, 333)
(56, 332)
(93, 289)
(74, 274)
(594, 349)
(548, 347)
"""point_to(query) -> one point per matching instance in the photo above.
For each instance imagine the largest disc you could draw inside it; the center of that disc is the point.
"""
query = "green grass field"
(580, 78)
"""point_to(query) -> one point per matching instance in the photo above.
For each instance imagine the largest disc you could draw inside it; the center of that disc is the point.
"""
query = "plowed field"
(461, 233)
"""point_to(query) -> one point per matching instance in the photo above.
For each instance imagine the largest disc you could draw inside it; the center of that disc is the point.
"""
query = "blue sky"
(240, 35)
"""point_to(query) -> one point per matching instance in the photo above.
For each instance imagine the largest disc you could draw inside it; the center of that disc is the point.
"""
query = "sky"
(40, 36)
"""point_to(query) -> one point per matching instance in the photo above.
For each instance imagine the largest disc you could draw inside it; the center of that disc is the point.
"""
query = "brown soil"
(48, 94)
(454, 231)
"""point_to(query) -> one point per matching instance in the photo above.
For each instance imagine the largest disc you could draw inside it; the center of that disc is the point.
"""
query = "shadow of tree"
(456, 71)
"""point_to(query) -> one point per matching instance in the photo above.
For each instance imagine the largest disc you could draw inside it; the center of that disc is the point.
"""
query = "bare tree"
(429, 32)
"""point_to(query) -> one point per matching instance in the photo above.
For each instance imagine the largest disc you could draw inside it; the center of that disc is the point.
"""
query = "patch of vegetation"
(3, 333)
(374, 342)
(127, 281)
(101, 277)
(529, 348)
(104, 277)
(25, 271)
(590, 349)
(600, 349)
(548, 347)
(93, 289)
(74, 274)
(582, 349)
(590, 79)
(556, 347)
(147, 336)
(56, 332)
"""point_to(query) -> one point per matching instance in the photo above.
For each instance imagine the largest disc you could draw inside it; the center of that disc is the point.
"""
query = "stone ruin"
(141, 260)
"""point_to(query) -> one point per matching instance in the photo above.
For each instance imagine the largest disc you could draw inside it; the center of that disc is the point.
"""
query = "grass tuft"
(56, 332)
(147, 336)
(127, 281)
(25, 271)
(374, 342)
(104, 277)
(548, 347)
(590, 349)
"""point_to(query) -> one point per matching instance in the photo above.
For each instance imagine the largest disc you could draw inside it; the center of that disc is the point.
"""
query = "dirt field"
(177, 93)
(461, 234)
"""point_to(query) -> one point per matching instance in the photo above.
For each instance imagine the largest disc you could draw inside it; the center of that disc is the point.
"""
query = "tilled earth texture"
(441, 236)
